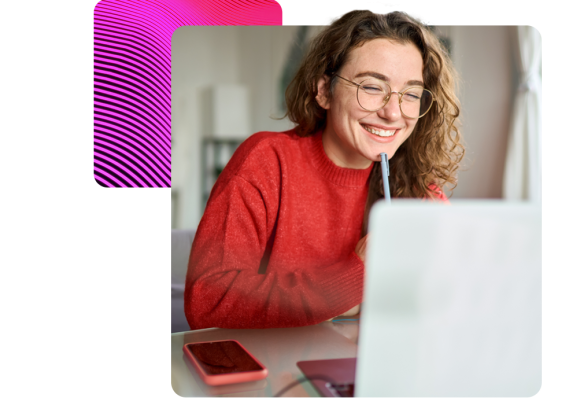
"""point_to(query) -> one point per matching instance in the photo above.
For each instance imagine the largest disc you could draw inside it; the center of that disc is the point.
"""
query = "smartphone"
(224, 362)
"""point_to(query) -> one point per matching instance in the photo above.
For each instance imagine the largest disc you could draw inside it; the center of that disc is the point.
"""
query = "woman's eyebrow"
(382, 77)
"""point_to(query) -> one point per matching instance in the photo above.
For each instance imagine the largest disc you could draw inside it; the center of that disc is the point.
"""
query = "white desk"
(278, 349)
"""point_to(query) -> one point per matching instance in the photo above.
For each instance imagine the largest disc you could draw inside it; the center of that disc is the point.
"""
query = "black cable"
(293, 384)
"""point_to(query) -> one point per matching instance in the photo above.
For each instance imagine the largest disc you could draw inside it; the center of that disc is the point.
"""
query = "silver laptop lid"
(452, 303)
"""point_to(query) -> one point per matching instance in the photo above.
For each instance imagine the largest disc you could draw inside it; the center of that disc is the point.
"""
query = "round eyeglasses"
(373, 94)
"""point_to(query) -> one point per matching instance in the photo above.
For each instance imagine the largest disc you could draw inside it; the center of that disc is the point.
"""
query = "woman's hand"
(353, 311)
(361, 247)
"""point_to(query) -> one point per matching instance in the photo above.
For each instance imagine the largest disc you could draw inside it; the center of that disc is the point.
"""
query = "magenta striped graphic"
(132, 80)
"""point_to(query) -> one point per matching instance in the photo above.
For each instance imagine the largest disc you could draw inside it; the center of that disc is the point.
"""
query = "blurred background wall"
(227, 83)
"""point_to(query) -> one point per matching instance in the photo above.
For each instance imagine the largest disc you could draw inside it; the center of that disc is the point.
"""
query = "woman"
(282, 241)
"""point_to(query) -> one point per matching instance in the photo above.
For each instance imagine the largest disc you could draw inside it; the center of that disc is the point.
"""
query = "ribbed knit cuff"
(344, 290)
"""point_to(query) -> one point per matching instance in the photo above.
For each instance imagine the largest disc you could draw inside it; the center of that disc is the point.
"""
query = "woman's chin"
(376, 157)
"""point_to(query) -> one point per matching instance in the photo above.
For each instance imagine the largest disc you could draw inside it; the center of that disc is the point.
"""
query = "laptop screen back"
(452, 303)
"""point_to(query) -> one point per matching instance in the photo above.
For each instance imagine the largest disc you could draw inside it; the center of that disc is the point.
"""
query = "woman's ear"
(322, 97)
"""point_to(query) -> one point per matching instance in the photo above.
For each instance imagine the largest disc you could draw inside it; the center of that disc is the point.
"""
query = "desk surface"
(278, 349)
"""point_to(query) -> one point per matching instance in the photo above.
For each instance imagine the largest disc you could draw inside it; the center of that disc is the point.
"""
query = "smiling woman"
(354, 137)
(400, 51)
(283, 238)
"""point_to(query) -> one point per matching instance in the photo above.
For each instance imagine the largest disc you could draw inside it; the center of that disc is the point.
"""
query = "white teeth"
(379, 132)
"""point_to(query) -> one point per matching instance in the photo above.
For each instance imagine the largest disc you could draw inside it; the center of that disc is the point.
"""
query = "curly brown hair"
(430, 157)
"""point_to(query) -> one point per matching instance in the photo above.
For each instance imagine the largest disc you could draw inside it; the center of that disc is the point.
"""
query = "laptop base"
(332, 378)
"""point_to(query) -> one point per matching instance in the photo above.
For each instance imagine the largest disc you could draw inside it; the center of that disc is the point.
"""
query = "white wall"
(201, 56)
(483, 58)
(255, 56)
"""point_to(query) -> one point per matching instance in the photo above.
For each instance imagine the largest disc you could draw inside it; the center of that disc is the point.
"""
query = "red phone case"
(226, 378)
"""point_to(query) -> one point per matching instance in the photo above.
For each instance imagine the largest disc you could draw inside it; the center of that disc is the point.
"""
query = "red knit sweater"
(285, 186)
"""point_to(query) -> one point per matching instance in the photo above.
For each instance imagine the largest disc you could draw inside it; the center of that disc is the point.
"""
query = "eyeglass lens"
(415, 101)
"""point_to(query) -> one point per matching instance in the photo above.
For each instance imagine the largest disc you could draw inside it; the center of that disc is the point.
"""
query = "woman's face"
(353, 137)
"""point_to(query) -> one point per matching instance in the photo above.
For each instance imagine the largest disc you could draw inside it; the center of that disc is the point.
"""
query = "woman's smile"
(383, 132)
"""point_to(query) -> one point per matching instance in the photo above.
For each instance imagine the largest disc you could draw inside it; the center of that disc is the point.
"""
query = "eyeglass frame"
(388, 96)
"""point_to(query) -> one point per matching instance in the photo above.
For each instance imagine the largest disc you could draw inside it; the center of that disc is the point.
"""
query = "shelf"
(215, 155)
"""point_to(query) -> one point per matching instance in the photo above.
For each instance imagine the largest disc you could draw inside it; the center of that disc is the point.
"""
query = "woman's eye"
(372, 88)
(411, 97)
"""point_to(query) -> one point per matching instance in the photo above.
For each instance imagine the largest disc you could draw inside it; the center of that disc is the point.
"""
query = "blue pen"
(385, 176)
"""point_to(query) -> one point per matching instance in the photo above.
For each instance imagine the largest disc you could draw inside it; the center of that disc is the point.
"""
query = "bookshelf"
(215, 155)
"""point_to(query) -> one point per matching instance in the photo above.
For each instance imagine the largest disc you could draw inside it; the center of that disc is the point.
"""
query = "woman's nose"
(391, 110)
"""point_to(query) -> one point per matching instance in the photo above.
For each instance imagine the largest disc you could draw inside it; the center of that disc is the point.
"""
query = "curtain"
(522, 177)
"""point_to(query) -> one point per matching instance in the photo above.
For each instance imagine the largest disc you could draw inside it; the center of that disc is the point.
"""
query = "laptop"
(452, 304)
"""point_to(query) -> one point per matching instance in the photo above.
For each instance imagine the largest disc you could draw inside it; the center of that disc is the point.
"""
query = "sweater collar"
(335, 174)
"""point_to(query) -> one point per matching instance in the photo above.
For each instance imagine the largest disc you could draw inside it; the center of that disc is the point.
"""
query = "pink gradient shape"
(132, 80)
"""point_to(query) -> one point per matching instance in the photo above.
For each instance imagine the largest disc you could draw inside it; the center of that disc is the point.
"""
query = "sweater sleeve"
(224, 287)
